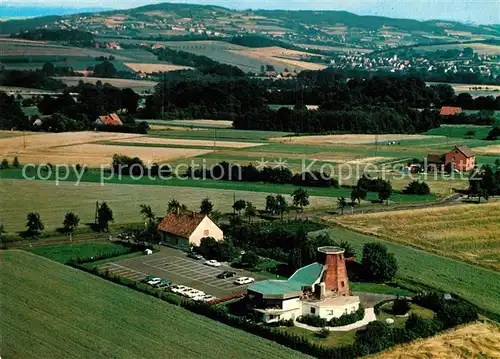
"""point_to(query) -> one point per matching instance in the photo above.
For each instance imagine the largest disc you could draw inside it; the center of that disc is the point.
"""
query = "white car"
(154, 281)
(208, 298)
(244, 280)
(191, 293)
(212, 263)
(178, 288)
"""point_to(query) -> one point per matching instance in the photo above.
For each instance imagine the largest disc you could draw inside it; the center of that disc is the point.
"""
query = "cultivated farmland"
(168, 141)
(467, 232)
(137, 85)
(348, 139)
(84, 316)
(478, 285)
(478, 340)
(150, 68)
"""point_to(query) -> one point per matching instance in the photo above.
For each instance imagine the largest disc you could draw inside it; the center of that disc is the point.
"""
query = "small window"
(206, 232)
(313, 310)
(330, 312)
(342, 284)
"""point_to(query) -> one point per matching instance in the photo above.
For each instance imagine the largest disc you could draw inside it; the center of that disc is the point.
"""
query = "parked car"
(226, 274)
(164, 283)
(244, 280)
(178, 288)
(204, 298)
(154, 281)
(212, 263)
(193, 293)
(195, 255)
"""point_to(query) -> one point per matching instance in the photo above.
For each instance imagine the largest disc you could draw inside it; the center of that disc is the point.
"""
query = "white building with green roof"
(318, 288)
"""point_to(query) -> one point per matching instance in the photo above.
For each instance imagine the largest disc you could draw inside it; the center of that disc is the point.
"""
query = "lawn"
(459, 131)
(467, 232)
(63, 253)
(53, 311)
(477, 285)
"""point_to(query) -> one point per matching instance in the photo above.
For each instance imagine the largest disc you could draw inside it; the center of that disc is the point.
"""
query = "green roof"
(304, 276)
(307, 275)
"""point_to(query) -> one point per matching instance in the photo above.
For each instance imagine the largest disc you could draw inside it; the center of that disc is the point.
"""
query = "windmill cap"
(331, 250)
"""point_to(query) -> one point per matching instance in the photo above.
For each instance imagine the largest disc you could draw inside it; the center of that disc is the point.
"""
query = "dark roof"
(466, 151)
(450, 110)
(181, 224)
(435, 158)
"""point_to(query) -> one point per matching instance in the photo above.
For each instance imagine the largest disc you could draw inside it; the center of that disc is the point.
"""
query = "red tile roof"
(466, 151)
(181, 224)
(434, 158)
(111, 120)
(449, 110)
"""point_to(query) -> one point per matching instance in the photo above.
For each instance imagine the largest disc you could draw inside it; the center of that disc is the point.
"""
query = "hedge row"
(345, 319)
(375, 337)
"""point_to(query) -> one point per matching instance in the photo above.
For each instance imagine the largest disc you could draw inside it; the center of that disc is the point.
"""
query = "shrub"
(454, 313)
(419, 327)
(313, 320)
(376, 337)
(324, 333)
(400, 306)
(4, 164)
(416, 187)
(15, 163)
(346, 319)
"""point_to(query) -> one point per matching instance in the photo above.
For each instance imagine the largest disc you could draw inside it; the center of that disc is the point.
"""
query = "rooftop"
(181, 224)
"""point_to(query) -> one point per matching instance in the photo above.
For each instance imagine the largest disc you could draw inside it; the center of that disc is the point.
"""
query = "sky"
(475, 11)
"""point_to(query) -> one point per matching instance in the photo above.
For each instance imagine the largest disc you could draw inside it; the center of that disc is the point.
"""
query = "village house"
(461, 157)
(108, 120)
(320, 288)
(182, 229)
(450, 110)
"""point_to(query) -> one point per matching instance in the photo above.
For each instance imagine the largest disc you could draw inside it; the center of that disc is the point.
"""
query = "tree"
(348, 248)
(175, 205)
(48, 69)
(105, 69)
(400, 306)
(300, 198)
(358, 193)
(206, 207)
(281, 205)
(15, 163)
(4, 164)
(342, 203)
(416, 187)
(250, 211)
(250, 259)
(70, 223)
(147, 213)
(34, 224)
(384, 191)
(470, 133)
(271, 204)
(239, 205)
(104, 216)
(377, 264)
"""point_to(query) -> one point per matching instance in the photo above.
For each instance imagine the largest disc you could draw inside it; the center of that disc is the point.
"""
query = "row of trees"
(485, 182)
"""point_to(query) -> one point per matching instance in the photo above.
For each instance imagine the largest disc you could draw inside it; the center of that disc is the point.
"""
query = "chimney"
(335, 272)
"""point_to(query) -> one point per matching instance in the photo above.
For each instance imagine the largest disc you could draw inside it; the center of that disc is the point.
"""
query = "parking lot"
(175, 266)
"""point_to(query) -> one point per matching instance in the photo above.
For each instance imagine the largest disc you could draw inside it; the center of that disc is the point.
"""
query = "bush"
(418, 188)
(454, 313)
(250, 259)
(400, 306)
(15, 163)
(4, 164)
(376, 337)
(324, 333)
(419, 327)
(313, 320)
(281, 323)
(346, 319)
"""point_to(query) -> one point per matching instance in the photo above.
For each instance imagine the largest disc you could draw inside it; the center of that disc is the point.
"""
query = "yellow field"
(478, 340)
(150, 68)
(488, 150)
(214, 123)
(52, 202)
(170, 141)
(348, 139)
(81, 147)
(468, 232)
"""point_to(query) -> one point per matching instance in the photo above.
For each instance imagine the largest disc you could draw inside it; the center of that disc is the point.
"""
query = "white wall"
(206, 225)
(291, 304)
(328, 312)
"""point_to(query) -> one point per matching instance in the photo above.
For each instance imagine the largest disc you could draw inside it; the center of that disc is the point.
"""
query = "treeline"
(202, 63)
(369, 119)
(228, 172)
(485, 118)
(71, 36)
(31, 79)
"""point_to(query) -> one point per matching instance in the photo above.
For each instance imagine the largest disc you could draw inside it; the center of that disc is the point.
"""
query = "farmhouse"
(450, 110)
(320, 289)
(109, 120)
(182, 228)
(461, 157)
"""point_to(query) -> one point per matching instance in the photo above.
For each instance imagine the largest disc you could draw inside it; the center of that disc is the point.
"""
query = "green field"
(477, 285)
(459, 131)
(220, 134)
(53, 311)
(65, 252)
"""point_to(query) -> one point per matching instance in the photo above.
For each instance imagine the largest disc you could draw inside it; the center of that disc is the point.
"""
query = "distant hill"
(10, 12)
